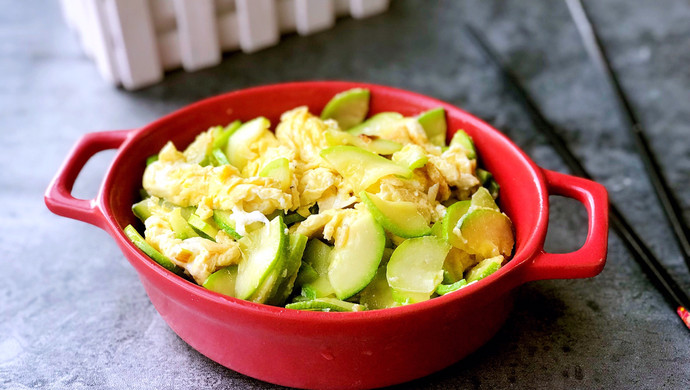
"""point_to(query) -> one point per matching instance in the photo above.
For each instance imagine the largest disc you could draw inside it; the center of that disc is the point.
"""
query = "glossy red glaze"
(336, 350)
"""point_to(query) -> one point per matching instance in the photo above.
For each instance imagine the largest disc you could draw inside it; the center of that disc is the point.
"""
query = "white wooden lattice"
(133, 42)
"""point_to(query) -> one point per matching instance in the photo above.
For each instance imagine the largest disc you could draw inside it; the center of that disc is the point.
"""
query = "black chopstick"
(597, 53)
(642, 254)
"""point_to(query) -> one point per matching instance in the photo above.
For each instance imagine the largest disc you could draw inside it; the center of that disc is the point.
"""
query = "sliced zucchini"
(354, 263)
(306, 274)
(437, 228)
(375, 145)
(269, 285)
(457, 261)
(145, 247)
(484, 268)
(378, 294)
(296, 246)
(293, 218)
(180, 225)
(143, 209)
(348, 108)
(400, 218)
(444, 289)
(484, 176)
(204, 228)
(416, 266)
(223, 219)
(238, 146)
(434, 124)
(493, 187)
(487, 232)
(220, 137)
(487, 180)
(219, 157)
(408, 297)
(411, 156)
(223, 281)
(261, 250)
(450, 221)
(483, 199)
(360, 167)
(463, 139)
(317, 256)
(373, 125)
(278, 169)
(325, 304)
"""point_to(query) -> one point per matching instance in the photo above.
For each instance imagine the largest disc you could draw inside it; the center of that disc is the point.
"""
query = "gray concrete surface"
(72, 311)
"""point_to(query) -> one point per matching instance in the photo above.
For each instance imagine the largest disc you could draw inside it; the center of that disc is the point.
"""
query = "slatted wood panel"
(133, 42)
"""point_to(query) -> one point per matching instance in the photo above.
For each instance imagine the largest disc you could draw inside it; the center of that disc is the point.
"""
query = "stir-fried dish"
(337, 212)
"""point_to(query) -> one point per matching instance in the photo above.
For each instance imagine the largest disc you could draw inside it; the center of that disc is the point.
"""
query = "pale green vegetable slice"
(463, 139)
(378, 294)
(374, 145)
(180, 225)
(348, 108)
(483, 175)
(437, 229)
(218, 157)
(408, 297)
(284, 270)
(221, 136)
(144, 209)
(319, 288)
(203, 227)
(411, 156)
(483, 199)
(237, 148)
(400, 218)
(354, 263)
(376, 123)
(264, 292)
(306, 275)
(484, 268)
(450, 220)
(145, 247)
(487, 232)
(317, 254)
(278, 169)
(444, 289)
(314, 273)
(360, 167)
(296, 246)
(223, 281)
(325, 304)
(487, 180)
(223, 219)
(434, 124)
(457, 261)
(262, 249)
(416, 266)
(382, 146)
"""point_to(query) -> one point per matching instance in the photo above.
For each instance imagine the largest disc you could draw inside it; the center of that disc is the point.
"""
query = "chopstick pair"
(669, 203)
(643, 255)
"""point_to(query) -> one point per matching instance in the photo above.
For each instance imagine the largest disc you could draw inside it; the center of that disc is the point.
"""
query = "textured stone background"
(72, 311)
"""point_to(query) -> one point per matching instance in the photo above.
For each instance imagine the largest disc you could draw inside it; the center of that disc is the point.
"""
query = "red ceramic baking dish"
(335, 350)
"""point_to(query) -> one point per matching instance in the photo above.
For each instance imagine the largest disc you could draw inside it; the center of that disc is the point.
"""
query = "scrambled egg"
(188, 179)
(198, 256)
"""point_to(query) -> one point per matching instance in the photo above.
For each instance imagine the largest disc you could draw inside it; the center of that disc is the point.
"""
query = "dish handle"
(58, 197)
(589, 260)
